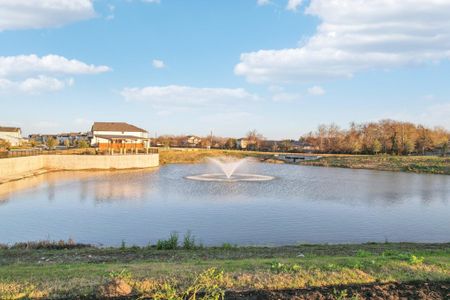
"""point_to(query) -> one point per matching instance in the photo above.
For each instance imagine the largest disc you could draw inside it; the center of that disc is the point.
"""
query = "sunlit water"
(301, 205)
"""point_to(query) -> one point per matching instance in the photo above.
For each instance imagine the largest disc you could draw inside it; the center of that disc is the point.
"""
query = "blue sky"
(192, 66)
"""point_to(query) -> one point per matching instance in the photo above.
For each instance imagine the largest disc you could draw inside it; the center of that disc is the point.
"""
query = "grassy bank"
(417, 164)
(74, 272)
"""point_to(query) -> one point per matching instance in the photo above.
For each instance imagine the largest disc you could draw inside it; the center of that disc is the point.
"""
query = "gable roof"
(9, 129)
(116, 126)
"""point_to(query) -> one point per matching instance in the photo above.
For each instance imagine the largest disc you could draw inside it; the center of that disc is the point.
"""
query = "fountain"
(229, 167)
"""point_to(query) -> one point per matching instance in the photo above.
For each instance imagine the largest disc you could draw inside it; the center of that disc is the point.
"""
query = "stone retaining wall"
(18, 167)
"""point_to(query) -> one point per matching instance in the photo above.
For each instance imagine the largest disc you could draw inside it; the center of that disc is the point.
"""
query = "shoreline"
(72, 271)
(408, 164)
(416, 164)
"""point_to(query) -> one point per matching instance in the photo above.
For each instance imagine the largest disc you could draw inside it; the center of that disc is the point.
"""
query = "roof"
(9, 129)
(116, 126)
(119, 137)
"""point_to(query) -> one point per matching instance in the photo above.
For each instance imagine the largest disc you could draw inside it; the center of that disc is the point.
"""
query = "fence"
(87, 151)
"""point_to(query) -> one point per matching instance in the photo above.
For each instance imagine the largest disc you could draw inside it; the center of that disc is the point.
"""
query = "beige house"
(12, 135)
(192, 141)
(118, 136)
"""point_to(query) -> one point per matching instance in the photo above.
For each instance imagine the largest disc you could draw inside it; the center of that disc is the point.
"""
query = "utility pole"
(211, 139)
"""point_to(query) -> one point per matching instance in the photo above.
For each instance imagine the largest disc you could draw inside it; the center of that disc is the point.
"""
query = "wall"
(18, 167)
(101, 162)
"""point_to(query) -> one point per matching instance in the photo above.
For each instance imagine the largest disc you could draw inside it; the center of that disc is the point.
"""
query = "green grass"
(73, 272)
(416, 164)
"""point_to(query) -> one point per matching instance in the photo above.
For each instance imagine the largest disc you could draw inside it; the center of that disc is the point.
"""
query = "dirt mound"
(391, 291)
(116, 288)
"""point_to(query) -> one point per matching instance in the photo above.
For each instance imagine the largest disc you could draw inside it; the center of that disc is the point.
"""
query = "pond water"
(301, 205)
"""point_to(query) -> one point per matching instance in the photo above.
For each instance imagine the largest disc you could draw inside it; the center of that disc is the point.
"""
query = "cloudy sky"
(192, 66)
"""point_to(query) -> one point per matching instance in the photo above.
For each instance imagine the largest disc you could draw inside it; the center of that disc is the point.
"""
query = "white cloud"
(34, 85)
(263, 2)
(355, 36)
(293, 4)
(316, 91)
(174, 96)
(151, 1)
(34, 75)
(158, 64)
(34, 14)
(49, 64)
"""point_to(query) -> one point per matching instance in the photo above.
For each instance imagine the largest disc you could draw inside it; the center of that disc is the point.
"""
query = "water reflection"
(303, 204)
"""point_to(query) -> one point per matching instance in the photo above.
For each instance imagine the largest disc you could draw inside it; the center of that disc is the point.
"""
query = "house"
(118, 136)
(192, 141)
(13, 135)
(269, 145)
(242, 143)
(42, 138)
(72, 137)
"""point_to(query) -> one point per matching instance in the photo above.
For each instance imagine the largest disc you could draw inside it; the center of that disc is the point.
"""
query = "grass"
(73, 272)
(416, 164)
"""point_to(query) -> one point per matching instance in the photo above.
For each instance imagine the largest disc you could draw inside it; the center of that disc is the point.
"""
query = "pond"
(300, 205)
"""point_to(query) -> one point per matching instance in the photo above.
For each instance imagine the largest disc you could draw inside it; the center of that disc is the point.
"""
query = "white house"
(118, 136)
(12, 135)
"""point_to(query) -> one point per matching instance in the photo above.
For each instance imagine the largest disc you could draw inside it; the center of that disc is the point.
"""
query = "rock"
(115, 288)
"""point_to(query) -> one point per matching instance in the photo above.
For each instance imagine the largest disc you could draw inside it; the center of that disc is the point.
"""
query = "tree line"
(385, 136)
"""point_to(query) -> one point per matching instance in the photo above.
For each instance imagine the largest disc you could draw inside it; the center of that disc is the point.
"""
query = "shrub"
(51, 245)
(189, 241)
(416, 260)
(169, 244)
(363, 253)
(279, 267)
(228, 246)
(209, 284)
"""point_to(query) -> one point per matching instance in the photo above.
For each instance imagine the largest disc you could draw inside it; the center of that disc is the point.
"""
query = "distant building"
(12, 135)
(42, 138)
(242, 143)
(192, 141)
(118, 136)
(269, 145)
(72, 137)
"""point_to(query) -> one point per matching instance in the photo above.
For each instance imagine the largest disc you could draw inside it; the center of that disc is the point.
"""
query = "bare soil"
(392, 291)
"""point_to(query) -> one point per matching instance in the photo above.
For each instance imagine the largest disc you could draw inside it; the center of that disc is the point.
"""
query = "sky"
(281, 67)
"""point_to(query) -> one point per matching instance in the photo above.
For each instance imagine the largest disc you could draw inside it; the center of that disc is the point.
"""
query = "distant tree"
(230, 143)
(67, 143)
(385, 136)
(376, 147)
(83, 144)
(33, 143)
(51, 143)
(254, 139)
(4, 145)
(286, 145)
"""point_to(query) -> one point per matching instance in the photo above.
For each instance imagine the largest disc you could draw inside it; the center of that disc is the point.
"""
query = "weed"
(124, 275)
(189, 241)
(279, 267)
(340, 295)
(169, 244)
(209, 284)
(51, 245)
(363, 253)
(416, 260)
(228, 246)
